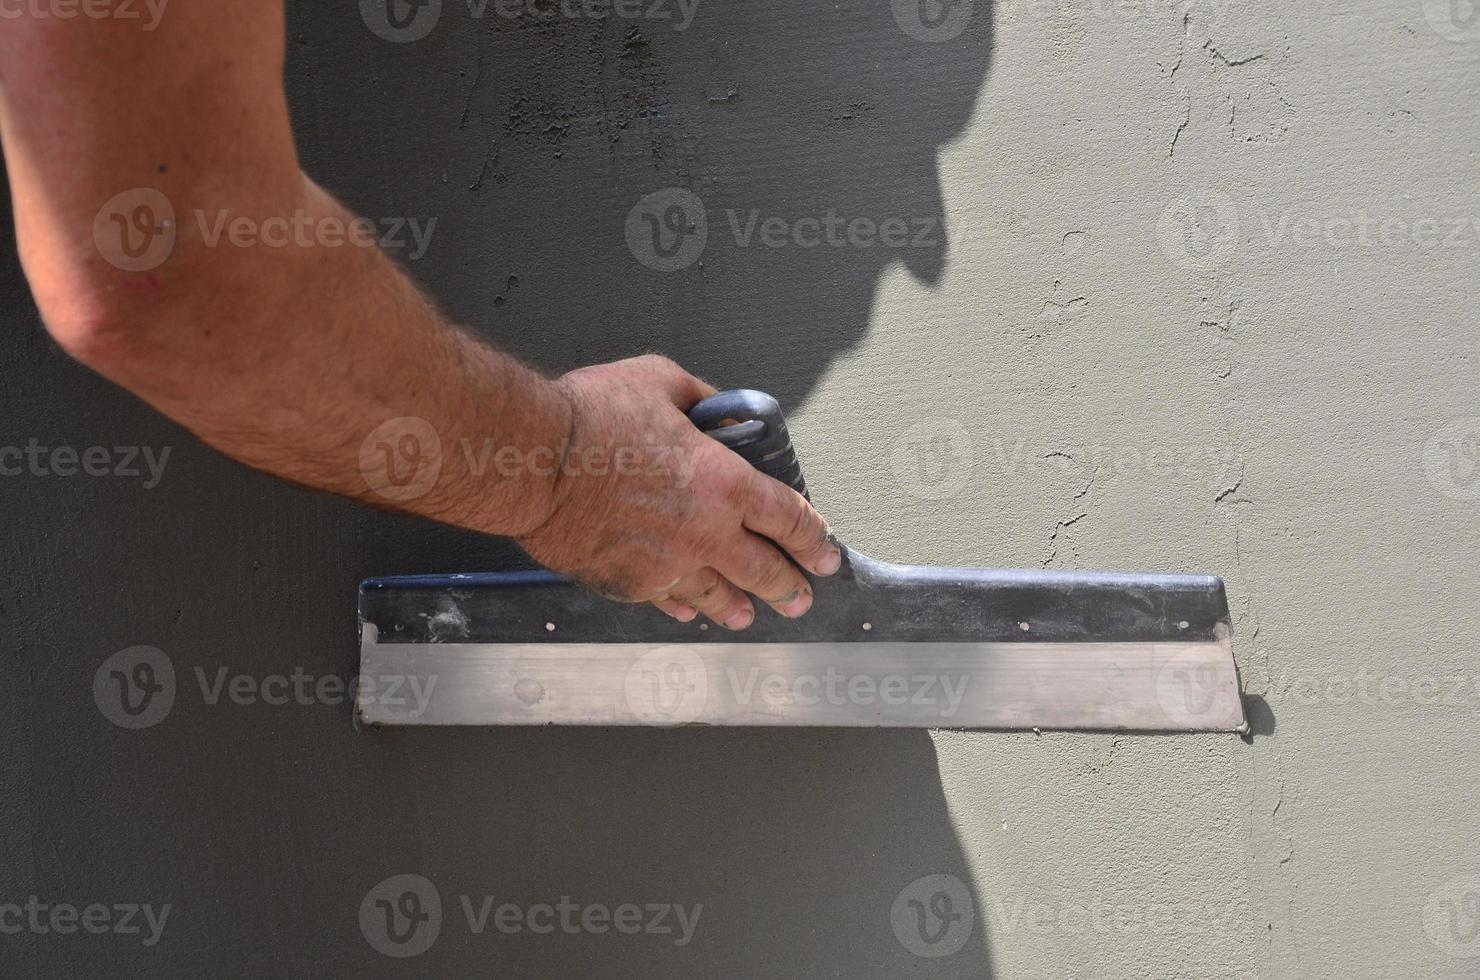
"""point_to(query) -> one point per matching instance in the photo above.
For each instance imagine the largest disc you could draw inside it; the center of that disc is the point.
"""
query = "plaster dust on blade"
(884, 645)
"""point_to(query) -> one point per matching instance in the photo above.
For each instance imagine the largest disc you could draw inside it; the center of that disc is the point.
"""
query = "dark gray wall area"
(263, 827)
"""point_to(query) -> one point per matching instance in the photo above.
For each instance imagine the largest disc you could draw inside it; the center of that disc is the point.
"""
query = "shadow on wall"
(532, 139)
(725, 184)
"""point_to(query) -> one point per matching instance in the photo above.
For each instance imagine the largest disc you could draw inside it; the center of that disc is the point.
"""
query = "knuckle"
(774, 576)
(659, 362)
(802, 531)
(710, 590)
(733, 603)
(612, 587)
(654, 584)
(699, 540)
(700, 589)
(743, 490)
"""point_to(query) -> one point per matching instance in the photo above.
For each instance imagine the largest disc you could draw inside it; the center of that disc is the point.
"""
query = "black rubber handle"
(758, 433)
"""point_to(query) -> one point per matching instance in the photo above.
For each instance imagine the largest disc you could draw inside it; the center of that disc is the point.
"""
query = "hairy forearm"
(310, 356)
(323, 364)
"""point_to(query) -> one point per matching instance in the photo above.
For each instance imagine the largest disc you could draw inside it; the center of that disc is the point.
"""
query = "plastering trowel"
(883, 645)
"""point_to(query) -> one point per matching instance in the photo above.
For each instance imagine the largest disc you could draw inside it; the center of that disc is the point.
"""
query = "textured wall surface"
(1179, 287)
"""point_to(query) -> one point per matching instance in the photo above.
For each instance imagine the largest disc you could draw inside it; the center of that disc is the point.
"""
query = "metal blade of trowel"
(883, 645)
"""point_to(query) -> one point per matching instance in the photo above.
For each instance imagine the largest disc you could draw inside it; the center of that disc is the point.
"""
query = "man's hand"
(316, 359)
(646, 507)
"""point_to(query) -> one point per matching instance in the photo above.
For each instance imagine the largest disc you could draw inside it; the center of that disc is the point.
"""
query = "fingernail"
(739, 620)
(830, 562)
(795, 604)
(685, 614)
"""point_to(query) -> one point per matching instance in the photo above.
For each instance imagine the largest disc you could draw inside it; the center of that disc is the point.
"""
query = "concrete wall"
(1184, 288)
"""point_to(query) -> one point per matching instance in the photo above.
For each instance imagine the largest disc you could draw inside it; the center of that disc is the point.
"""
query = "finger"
(681, 611)
(753, 564)
(776, 511)
(681, 387)
(708, 591)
